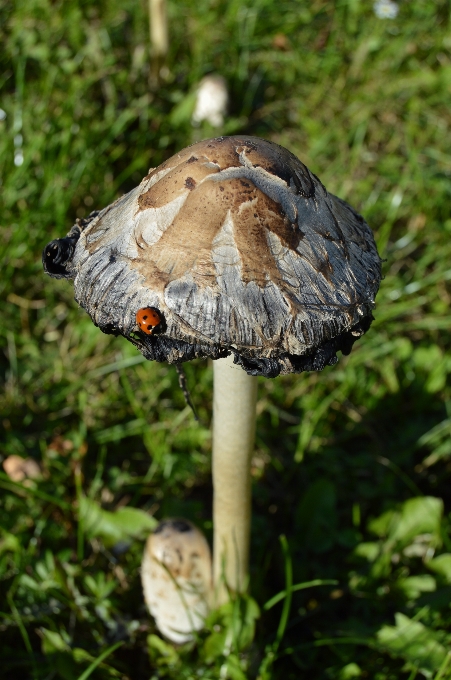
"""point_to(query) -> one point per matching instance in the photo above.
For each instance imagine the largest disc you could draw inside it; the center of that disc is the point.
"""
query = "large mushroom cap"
(238, 248)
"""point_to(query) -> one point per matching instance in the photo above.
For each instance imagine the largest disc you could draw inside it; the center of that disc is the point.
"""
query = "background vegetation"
(352, 465)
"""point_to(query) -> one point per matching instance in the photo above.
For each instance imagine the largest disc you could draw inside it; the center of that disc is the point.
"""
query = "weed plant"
(352, 466)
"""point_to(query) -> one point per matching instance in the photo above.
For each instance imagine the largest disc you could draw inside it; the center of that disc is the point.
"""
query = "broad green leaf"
(53, 642)
(239, 618)
(59, 655)
(248, 614)
(81, 655)
(441, 565)
(418, 516)
(414, 643)
(28, 582)
(381, 525)
(133, 522)
(162, 653)
(121, 525)
(427, 358)
(235, 621)
(351, 670)
(9, 542)
(437, 378)
(368, 550)
(100, 586)
(234, 668)
(414, 586)
(412, 529)
(214, 646)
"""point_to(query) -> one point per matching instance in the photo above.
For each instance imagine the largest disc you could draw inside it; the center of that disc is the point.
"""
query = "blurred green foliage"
(352, 465)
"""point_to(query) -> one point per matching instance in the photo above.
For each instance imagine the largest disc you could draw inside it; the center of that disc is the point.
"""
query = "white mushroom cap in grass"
(176, 578)
(240, 248)
(21, 469)
(211, 101)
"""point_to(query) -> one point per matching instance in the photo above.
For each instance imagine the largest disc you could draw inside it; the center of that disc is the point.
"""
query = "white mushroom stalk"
(158, 28)
(176, 570)
(235, 396)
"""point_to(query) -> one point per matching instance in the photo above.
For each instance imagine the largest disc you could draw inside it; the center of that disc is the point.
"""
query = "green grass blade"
(91, 668)
(298, 586)
(288, 588)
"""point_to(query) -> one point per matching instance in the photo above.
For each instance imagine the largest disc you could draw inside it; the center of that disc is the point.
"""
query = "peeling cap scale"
(234, 251)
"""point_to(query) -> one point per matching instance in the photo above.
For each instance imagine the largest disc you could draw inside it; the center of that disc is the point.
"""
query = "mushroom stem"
(158, 28)
(235, 397)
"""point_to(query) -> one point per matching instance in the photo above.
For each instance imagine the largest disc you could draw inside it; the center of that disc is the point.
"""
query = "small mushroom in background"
(211, 101)
(176, 578)
(21, 469)
(245, 258)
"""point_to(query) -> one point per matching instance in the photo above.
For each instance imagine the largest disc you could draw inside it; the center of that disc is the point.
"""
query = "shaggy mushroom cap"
(237, 247)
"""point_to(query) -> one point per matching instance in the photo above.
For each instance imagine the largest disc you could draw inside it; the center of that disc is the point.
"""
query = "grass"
(352, 466)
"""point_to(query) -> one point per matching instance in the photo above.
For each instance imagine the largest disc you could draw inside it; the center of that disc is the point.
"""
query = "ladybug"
(148, 319)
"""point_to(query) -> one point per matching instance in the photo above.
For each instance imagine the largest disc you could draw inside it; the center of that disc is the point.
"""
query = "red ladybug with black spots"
(148, 319)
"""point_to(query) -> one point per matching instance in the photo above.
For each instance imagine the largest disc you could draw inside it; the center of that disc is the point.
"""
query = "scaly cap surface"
(240, 248)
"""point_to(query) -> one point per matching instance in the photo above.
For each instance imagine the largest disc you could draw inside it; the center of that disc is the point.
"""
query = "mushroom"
(21, 469)
(243, 257)
(176, 578)
(159, 38)
(211, 101)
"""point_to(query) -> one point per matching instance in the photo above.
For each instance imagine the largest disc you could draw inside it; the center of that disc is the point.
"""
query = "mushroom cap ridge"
(240, 248)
